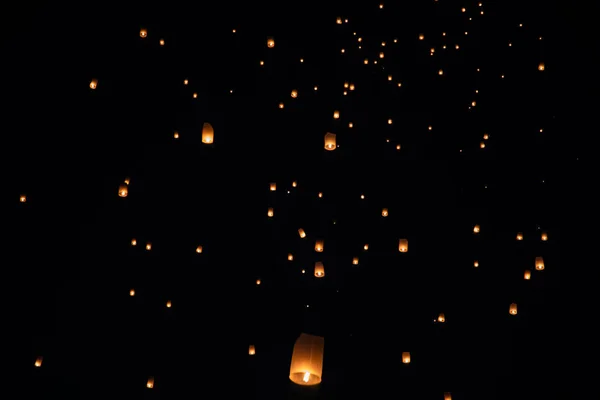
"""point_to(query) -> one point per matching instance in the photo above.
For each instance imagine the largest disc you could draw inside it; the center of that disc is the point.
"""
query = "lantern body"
(123, 190)
(330, 142)
(527, 275)
(199, 249)
(290, 257)
(294, 93)
(355, 261)
(406, 357)
(38, 361)
(519, 236)
(270, 42)
(447, 396)
(319, 269)
(307, 360)
(150, 383)
(208, 133)
(476, 264)
(336, 114)
(143, 33)
(301, 233)
(270, 212)
(384, 212)
(148, 246)
(541, 66)
(273, 186)
(133, 242)
(251, 350)
(319, 244)
(93, 83)
(544, 236)
(476, 229)
(539, 263)
(513, 309)
(441, 318)
(403, 245)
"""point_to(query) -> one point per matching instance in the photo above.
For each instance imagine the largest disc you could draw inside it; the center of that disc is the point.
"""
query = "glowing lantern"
(257, 282)
(132, 292)
(93, 84)
(294, 93)
(161, 42)
(176, 135)
(541, 66)
(133, 242)
(330, 142)
(208, 133)
(421, 37)
(319, 246)
(352, 86)
(251, 350)
(441, 72)
(301, 233)
(355, 261)
(441, 317)
(476, 229)
(123, 190)
(169, 304)
(447, 396)
(381, 55)
(403, 245)
(338, 20)
(527, 275)
(307, 360)
(199, 249)
(384, 212)
(273, 186)
(406, 357)
(476, 264)
(539, 263)
(482, 145)
(290, 257)
(319, 269)
(281, 105)
(512, 310)
(544, 236)
(270, 212)
(127, 181)
(150, 383)
(336, 114)
(294, 184)
(148, 246)
(270, 42)
(366, 247)
(38, 361)
(23, 198)
(519, 236)
(143, 33)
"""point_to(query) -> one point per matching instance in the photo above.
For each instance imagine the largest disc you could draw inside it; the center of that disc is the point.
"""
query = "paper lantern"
(527, 275)
(270, 42)
(148, 246)
(38, 361)
(330, 142)
(199, 249)
(143, 33)
(513, 309)
(132, 292)
(93, 84)
(133, 242)
(123, 190)
(355, 261)
(294, 184)
(336, 114)
(541, 66)
(406, 357)
(519, 236)
(403, 245)
(384, 212)
(23, 198)
(290, 257)
(307, 360)
(366, 247)
(273, 186)
(208, 133)
(319, 244)
(301, 233)
(544, 236)
(169, 304)
(476, 264)
(150, 382)
(251, 350)
(270, 212)
(294, 94)
(447, 396)
(319, 269)
(539, 263)
(476, 229)
(441, 317)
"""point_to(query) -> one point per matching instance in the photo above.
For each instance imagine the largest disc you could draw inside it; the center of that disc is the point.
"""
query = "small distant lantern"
(338, 20)
(421, 37)
(161, 42)
(513, 309)
(330, 142)
(351, 87)
(22, 198)
(132, 292)
(270, 212)
(320, 195)
(476, 264)
(336, 114)
(319, 269)
(355, 261)
(273, 186)
(169, 304)
(482, 145)
(441, 317)
(150, 383)
(406, 357)
(208, 133)
(127, 181)
(93, 84)
(199, 249)
(441, 72)
(541, 66)
(270, 42)
(38, 361)
(258, 282)
(447, 396)
(294, 93)
(539, 263)
(403, 245)
(319, 244)
(143, 33)
(307, 360)
(294, 184)
(382, 55)
(133, 242)
(301, 233)
(519, 236)
(251, 350)
(290, 257)
(123, 191)
(476, 229)
(176, 135)
(384, 212)
(148, 246)
(281, 105)
(544, 237)
(527, 275)
(366, 247)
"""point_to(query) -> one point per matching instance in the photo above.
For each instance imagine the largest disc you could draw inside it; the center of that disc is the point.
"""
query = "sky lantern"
(294, 93)
(319, 244)
(143, 33)
(270, 212)
(319, 269)
(123, 190)
(441, 317)
(301, 233)
(208, 133)
(93, 84)
(406, 357)
(38, 361)
(23, 198)
(306, 367)
(512, 310)
(270, 42)
(403, 246)
(251, 350)
(330, 142)
(150, 382)
(539, 263)
(384, 212)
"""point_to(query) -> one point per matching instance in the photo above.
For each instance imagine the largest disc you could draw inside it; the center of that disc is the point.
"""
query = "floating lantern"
(519, 236)
(476, 229)
(355, 261)
(336, 114)
(38, 361)
(384, 212)
(544, 236)
(330, 142)
(512, 310)
(301, 233)
(93, 84)
(441, 317)
(22, 198)
(208, 133)
(290, 257)
(307, 360)
(251, 350)
(123, 190)
(406, 357)
(403, 245)
(319, 246)
(270, 42)
(319, 269)
(527, 275)
(294, 94)
(270, 212)
(143, 33)
(273, 186)
(148, 246)
(539, 263)
(199, 249)
(150, 382)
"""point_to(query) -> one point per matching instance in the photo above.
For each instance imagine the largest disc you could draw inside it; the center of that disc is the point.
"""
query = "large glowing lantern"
(123, 190)
(319, 244)
(441, 317)
(208, 133)
(319, 269)
(143, 33)
(330, 143)
(150, 382)
(93, 84)
(270, 42)
(406, 357)
(384, 212)
(273, 186)
(513, 309)
(476, 229)
(251, 350)
(539, 263)
(403, 245)
(307, 360)
(541, 66)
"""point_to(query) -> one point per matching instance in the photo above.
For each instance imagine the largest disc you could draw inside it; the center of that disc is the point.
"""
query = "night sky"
(461, 127)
